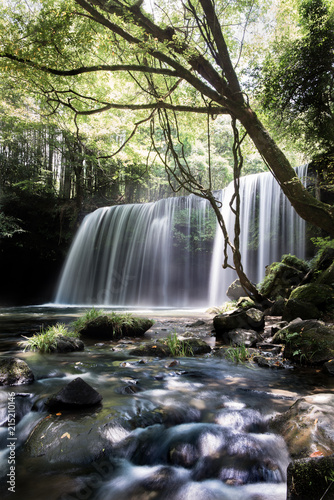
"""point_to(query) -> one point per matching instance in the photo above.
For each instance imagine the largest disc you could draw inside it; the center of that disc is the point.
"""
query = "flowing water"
(170, 253)
(186, 430)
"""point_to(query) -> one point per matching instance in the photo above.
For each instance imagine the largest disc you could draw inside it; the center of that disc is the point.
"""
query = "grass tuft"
(177, 347)
(47, 338)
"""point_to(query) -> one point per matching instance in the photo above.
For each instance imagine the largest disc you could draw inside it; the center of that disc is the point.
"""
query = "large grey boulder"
(235, 290)
(14, 371)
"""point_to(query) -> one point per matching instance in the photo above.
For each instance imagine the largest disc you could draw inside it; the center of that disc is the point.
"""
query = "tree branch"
(91, 69)
(134, 107)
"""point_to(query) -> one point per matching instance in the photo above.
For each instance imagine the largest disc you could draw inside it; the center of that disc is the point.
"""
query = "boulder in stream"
(308, 426)
(107, 328)
(67, 344)
(14, 371)
(75, 395)
(241, 336)
(76, 439)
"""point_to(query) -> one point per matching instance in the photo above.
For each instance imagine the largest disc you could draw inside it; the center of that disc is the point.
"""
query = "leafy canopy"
(297, 82)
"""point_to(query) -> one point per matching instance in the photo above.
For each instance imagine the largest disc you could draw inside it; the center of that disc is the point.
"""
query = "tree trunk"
(307, 206)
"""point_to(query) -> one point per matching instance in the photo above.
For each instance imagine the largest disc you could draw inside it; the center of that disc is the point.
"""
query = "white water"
(162, 254)
(267, 222)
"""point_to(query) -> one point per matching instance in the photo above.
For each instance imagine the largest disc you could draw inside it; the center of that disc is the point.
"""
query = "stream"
(176, 429)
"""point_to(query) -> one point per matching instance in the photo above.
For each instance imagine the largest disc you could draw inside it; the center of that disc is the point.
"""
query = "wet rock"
(183, 455)
(199, 322)
(240, 336)
(308, 426)
(309, 478)
(155, 349)
(251, 318)
(14, 371)
(76, 440)
(23, 405)
(105, 327)
(130, 389)
(75, 395)
(196, 346)
(328, 367)
(161, 479)
(172, 364)
(67, 344)
(269, 362)
(273, 349)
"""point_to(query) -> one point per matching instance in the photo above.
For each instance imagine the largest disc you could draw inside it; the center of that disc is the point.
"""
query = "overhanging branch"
(217, 110)
(91, 69)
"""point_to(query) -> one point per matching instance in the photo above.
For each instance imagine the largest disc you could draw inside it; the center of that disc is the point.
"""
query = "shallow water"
(187, 430)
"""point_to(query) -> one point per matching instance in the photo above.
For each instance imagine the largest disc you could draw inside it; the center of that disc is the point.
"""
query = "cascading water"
(141, 254)
(269, 228)
(165, 253)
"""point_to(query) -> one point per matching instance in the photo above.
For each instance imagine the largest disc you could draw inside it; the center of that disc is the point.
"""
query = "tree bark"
(306, 205)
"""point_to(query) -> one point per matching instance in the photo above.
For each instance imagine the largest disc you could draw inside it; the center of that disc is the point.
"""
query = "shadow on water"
(195, 429)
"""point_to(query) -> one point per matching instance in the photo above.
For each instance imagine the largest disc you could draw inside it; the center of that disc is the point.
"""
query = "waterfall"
(152, 254)
(269, 228)
(169, 253)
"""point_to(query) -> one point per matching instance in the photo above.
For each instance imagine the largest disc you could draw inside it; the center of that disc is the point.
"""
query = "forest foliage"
(120, 102)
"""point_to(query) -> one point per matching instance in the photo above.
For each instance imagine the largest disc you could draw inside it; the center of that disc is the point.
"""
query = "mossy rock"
(327, 276)
(15, 371)
(154, 349)
(314, 293)
(191, 347)
(282, 276)
(67, 344)
(309, 478)
(296, 326)
(107, 327)
(298, 309)
(309, 301)
(196, 346)
(307, 342)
